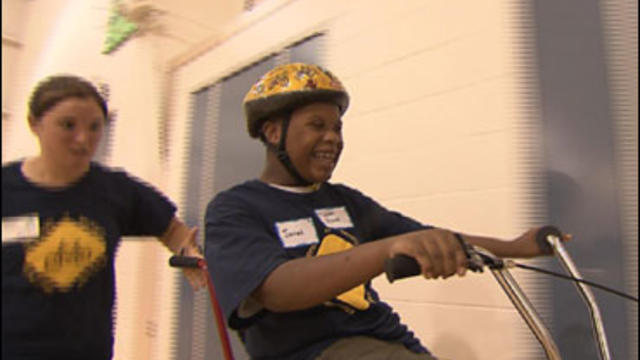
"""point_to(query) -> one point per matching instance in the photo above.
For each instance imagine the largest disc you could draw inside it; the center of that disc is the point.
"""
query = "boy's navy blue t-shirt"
(254, 227)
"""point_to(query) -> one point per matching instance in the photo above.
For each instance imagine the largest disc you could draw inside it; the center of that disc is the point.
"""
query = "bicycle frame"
(527, 312)
(499, 269)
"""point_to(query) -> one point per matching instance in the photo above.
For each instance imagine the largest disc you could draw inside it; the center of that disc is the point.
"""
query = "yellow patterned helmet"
(288, 86)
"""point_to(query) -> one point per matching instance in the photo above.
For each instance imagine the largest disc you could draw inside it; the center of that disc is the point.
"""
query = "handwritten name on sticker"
(297, 232)
(335, 218)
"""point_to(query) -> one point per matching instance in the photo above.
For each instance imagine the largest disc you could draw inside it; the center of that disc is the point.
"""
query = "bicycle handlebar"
(403, 266)
(184, 261)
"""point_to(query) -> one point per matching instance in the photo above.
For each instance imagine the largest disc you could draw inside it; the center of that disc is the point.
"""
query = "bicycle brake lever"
(490, 260)
(474, 261)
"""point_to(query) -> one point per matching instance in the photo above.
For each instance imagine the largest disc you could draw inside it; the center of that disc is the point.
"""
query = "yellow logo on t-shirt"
(68, 252)
(356, 297)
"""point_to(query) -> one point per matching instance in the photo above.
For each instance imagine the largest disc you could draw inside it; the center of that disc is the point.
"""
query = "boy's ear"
(271, 131)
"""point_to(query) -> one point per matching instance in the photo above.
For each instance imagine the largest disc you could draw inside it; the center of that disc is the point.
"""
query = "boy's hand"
(436, 250)
(526, 245)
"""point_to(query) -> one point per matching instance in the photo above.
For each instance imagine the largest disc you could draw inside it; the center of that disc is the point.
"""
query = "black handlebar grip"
(541, 238)
(184, 261)
(401, 266)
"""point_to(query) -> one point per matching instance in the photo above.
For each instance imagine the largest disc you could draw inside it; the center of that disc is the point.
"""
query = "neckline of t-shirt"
(295, 189)
(51, 189)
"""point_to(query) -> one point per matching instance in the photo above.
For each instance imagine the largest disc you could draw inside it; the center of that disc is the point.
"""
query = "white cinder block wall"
(439, 110)
(439, 105)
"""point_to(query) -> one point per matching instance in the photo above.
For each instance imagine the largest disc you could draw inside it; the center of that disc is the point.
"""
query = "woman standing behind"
(62, 219)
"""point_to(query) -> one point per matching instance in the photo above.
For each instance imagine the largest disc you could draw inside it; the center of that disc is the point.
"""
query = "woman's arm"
(180, 239)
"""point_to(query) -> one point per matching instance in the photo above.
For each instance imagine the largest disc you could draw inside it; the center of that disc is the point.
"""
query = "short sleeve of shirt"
(144, 210)
(239, 250)
(379, 222)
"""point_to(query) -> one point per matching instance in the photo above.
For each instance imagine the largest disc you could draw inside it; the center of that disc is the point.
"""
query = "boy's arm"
(524, 246)
(305, 282)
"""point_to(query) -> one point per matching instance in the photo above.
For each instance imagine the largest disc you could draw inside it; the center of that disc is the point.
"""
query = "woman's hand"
(197, 277)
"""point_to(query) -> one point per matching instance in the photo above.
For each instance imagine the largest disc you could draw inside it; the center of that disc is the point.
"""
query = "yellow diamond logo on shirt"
(357, 296)
(67, 254)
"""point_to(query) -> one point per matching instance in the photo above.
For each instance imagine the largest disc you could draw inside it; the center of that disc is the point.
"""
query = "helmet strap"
(284, 158)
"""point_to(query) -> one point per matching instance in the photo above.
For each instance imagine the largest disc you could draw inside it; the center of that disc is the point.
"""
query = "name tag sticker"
(297, 232)
(335, 218)
(20, 228)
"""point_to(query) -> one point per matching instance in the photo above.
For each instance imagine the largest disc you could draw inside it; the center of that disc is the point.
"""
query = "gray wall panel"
(580, 161)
